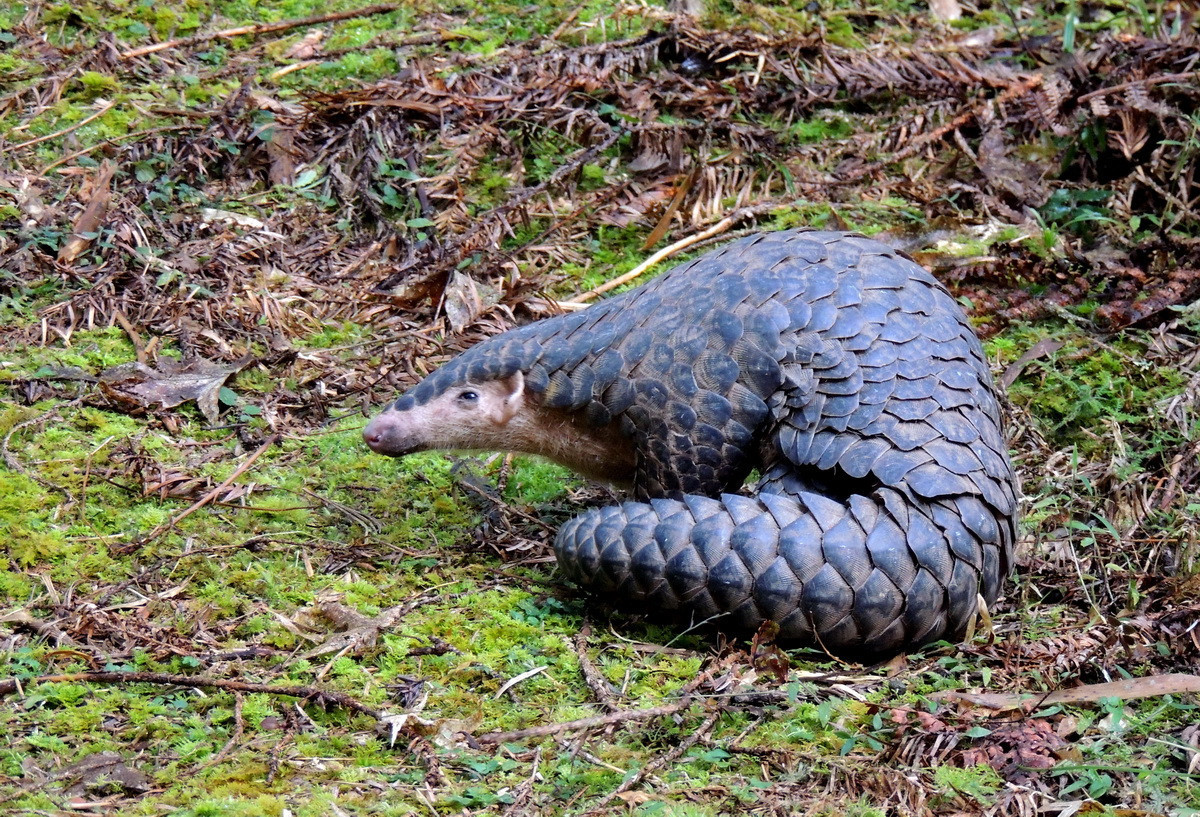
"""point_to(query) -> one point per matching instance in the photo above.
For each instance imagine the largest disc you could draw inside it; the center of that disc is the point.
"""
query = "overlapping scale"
(849, 377)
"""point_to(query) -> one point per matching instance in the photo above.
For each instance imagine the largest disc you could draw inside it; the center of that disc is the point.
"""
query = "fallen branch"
(1127, 689)
(207, 498)
(47, 630)
(322, 697)
(239, 728)
(595, 679)
(65, 130)
(259, 28)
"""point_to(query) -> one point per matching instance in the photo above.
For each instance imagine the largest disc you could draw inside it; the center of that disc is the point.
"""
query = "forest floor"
(231, 231)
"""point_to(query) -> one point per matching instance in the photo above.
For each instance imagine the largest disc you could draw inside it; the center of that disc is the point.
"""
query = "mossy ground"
(317, 518)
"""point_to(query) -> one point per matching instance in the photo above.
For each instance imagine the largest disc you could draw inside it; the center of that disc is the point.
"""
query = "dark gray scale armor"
(840, 369)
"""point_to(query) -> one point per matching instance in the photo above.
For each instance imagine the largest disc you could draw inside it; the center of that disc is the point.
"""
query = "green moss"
(29, 534)
(94, 84)
(979, 783)
(820, 129)
(534, 481)
(1084, 384)
(334, 335)
(93, 351)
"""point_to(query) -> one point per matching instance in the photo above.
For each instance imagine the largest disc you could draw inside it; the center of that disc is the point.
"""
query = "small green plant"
(979, 783)
(1078, 211)
(96, 84)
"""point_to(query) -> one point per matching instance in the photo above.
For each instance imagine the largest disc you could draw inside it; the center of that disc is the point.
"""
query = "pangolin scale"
(839, 369)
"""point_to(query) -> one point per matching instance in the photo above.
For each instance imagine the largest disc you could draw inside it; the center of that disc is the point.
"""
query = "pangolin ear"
(512, 397)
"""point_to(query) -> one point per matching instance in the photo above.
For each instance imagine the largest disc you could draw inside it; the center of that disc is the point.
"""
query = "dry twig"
(627, 716)
(596, 681)
(49, 136)
(660, 762)
(666, 252)
(207, 498)
(259, 28)
(320, 697)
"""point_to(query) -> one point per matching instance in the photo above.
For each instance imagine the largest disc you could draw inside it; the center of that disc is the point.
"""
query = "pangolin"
(835, 366)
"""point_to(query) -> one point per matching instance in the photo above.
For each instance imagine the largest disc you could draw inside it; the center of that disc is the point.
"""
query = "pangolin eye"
(468, 396)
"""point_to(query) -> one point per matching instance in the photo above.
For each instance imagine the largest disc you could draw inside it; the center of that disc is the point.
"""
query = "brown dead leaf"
(896, 666)
(664, 223)
(766, 655)
(633, 799)
(137, 387)
(1017, 750)
(102, 773)
(358, 632)
(281, 148)
(657, 149)
(443, 732)
(279, 137)
(945, 9)
(292, 626)
(83, 232)
(1133, 133)
(627, 209)
(465, 299)
(308, 47)
(1019, 177)
(1043, 348)
(1191, 737)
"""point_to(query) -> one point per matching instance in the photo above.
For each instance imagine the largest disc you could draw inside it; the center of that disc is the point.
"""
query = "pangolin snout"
(386, 435)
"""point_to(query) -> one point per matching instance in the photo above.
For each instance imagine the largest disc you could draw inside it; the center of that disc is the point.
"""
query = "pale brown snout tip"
(384, 436)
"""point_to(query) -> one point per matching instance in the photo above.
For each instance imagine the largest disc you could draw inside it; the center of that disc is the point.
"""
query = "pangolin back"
(843, 372)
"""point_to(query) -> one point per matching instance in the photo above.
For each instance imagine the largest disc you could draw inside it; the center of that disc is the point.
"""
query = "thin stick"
(320, 696)
(259, 28)
(65, 131)
(664, 223)
(583, 723)
(72, 156)
(570, 18)
(596, 681)
(239, 728)
(666, 252)
(1125, 86)
(660, 762)
(211, 495)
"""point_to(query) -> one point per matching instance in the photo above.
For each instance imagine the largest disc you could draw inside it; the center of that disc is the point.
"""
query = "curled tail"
(870, 573)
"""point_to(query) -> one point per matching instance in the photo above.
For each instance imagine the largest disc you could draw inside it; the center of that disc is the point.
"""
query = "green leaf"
(715, 755)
